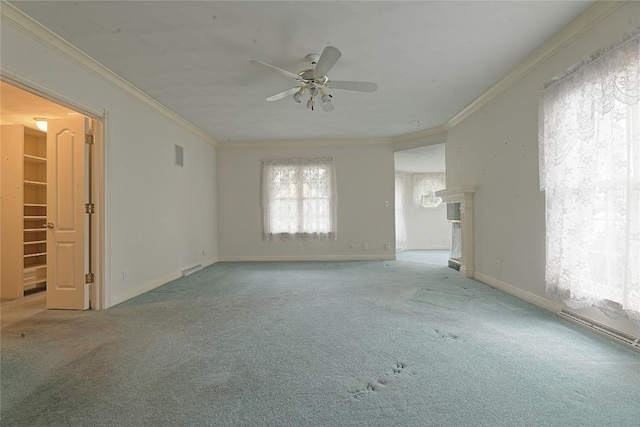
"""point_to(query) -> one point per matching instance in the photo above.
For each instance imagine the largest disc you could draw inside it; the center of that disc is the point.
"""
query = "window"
(425, 187)
(299, 198)
(590, 172)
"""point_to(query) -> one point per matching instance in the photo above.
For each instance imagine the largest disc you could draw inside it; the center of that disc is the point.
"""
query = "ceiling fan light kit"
(298, 95)
(315, 80)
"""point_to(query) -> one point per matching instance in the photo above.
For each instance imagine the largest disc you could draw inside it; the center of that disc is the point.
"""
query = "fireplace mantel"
(463, 195)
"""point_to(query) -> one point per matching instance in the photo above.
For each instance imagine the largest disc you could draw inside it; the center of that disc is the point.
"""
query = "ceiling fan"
(315, 82)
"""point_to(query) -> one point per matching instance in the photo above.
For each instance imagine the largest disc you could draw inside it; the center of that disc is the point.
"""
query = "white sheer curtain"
(401, 227)
(299, 198)
(590, 172)
(425, 186)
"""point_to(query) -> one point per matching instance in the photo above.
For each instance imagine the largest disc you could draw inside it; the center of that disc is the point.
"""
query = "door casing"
(98, 291)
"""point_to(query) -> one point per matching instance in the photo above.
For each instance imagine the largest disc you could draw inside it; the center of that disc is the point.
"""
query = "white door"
(66, 215)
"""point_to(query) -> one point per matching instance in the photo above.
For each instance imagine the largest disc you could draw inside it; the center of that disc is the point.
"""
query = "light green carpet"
(319, 344)
(425, 256)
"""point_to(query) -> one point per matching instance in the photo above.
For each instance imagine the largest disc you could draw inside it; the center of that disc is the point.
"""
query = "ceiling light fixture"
(41, 123)
(314, 91)
(298, 96)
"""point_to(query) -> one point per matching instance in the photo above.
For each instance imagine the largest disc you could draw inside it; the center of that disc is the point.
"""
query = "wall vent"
(191, 270)
(179, 155)
(600, 329)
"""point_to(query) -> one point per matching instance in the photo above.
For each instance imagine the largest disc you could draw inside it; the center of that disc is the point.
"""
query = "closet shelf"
(35, 183)
(32, 230)
(34, 255)
(35, 242)
(35, 217)
(35, 267)
(31, 283)
(36, 205)
(34, 159)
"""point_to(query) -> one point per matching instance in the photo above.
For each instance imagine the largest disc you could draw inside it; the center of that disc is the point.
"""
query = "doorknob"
(48, 225)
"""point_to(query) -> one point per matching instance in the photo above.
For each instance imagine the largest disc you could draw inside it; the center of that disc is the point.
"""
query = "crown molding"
(13, 16)
(304, 143)
(427, 133)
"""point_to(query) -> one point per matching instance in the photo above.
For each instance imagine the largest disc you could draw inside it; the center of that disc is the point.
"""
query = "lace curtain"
(425, 186)
(299, 198)
(590, 171)
(401, 227)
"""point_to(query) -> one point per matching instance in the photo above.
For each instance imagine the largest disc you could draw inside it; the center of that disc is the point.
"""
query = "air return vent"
(605, 331)
(191, 270)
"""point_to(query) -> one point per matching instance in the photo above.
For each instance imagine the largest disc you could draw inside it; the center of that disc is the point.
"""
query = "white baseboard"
(207, 263)
(422, 248)
(155, 284)
(467, 272)
(389, 257)
(519, 293)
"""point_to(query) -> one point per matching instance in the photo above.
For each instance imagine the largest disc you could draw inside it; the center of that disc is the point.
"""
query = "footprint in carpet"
(400, 368)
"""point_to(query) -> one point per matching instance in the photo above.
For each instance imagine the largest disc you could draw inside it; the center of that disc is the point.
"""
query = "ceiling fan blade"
(283, 94)
(328, 106)
(329, 57)
(357, 86)
(276, 69)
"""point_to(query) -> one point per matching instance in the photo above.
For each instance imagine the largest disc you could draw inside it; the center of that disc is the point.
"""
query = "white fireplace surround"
(464, 196)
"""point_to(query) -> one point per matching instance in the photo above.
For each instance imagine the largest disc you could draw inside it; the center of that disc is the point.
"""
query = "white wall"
(365, 180)
(496, 149)
(160, 218)
(427, 228)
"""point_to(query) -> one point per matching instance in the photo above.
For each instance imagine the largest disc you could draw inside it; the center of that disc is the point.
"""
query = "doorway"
(51, 182)
(422, 229)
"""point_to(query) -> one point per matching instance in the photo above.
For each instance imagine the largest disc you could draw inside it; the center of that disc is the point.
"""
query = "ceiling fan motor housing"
(313, 58)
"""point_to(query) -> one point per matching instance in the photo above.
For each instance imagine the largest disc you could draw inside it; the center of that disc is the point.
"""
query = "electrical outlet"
(386, 203)
(299, 246)
(498, 265)
(125, 275)
(387, 246)
(365, 246)
(352, 246)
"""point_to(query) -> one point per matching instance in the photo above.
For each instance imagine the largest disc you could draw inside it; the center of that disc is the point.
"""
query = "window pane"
(284, 216)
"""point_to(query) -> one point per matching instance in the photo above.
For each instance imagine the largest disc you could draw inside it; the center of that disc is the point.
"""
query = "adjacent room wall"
(427, 228)
(160, 218)
(365, 181)
(496, 149)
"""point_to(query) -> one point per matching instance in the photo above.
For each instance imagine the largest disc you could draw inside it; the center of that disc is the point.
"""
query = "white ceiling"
(430, 59)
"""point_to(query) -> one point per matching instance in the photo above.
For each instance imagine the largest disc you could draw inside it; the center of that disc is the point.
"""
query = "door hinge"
(89, 208)
(89, 278)
(89, 139)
